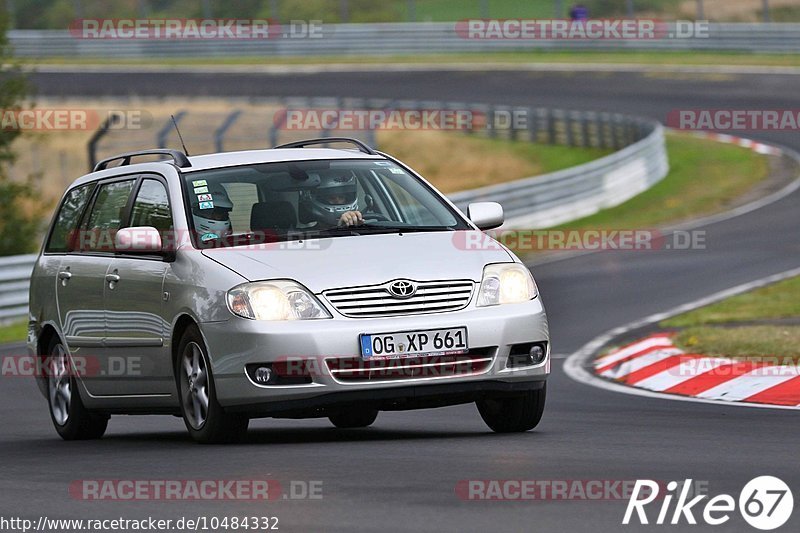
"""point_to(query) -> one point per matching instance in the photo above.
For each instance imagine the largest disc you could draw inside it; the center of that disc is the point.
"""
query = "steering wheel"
(375, 216)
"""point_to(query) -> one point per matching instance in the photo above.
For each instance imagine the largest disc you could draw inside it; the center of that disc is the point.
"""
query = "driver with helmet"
(334, 202)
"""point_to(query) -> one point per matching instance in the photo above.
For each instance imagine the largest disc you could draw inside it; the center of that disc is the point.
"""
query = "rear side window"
(63, 238)
(107, 216)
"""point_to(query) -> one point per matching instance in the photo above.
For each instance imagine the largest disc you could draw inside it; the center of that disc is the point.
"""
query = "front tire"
(354, 418)
(70, 417)
(205, 419)
(513, 414)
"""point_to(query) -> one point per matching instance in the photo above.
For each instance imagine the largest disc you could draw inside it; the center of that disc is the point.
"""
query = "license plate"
(409, 343)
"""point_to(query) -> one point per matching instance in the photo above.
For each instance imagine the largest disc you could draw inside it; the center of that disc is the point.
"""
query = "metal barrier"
(15, 275)
(535, 202)
(552, 199)
(402, 39)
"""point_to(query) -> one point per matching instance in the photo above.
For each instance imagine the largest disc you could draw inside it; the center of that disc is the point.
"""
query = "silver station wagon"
(296, 282)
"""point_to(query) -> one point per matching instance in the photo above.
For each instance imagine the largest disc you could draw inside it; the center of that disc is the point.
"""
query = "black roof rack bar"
(325, 140)
(178, 157)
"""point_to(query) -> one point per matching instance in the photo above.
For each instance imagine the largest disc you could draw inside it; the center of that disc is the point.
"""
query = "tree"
(20, 206)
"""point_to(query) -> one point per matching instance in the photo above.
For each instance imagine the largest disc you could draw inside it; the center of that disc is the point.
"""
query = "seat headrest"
(271, 216)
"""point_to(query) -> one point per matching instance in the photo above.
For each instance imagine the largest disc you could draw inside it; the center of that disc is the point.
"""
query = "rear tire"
(354, 418)
(513, 414)
(70, 417)
(205, 419)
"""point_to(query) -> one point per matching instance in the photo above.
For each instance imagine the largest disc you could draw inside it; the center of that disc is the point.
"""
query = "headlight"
(275, 300)
(506, 283)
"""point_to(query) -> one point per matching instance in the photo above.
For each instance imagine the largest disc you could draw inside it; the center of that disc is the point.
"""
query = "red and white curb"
(656, 364)
(757, 147)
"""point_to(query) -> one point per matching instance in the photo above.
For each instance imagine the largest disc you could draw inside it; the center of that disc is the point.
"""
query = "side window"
(63, 238)
(106, 216)
(151, 207)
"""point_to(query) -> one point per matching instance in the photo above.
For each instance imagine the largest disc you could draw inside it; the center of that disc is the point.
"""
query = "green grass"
(650, 58)
(53, 14)
(771, 342)
(780, 300)
(705, 177)
(13, 332)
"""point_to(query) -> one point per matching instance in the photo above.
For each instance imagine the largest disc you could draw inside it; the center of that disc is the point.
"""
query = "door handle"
(112, 278)
(64, 275)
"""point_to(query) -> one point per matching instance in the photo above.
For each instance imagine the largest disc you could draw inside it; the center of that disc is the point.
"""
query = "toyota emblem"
(402, 288)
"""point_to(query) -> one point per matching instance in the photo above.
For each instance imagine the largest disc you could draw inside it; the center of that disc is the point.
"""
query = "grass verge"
(705, 177)
(649, 58)
(13, 332)
(740, 338)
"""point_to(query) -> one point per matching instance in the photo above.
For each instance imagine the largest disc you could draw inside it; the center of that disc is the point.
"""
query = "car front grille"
(376, 301)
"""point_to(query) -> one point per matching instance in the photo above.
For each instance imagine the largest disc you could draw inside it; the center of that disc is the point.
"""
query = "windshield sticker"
(199, 183)
(383, 163)
(206, 205)
(396, 170)
(208, 237)
(204, 197)
(199, 190)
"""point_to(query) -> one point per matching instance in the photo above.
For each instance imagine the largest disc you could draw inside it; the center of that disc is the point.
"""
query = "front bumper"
(235, 343)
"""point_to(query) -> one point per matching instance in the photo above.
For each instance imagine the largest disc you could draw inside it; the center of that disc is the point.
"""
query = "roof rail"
(325, 140)
(178, 157)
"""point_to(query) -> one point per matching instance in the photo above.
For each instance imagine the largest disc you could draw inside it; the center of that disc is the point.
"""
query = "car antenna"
(175, 123)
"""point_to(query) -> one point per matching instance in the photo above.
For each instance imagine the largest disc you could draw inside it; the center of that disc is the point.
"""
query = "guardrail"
(552, 199)
(535, 202)
(400, 39)
(15, 275)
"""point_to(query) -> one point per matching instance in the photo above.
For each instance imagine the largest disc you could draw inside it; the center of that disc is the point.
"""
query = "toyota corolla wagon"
(300, 281)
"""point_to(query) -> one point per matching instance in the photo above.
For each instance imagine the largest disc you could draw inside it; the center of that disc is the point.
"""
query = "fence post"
(551, 127)
(568, 125)
(586, 139)
(97, 136)
(219, 134)
(277, 124)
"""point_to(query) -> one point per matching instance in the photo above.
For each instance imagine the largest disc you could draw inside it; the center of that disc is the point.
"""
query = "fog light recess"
(528, 354)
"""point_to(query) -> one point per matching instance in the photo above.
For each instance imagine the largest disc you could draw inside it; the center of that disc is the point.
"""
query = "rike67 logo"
(765, 503)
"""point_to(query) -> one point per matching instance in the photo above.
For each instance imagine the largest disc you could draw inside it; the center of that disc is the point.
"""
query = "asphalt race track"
(401, 473)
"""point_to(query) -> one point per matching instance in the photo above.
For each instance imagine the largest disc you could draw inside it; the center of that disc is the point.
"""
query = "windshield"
(311, 199)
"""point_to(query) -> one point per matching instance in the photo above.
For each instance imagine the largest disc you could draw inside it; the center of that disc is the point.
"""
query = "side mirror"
(486, 215)
(139, 239)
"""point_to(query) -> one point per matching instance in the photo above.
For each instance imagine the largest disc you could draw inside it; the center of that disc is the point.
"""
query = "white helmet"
(335, 195)
(212, 215)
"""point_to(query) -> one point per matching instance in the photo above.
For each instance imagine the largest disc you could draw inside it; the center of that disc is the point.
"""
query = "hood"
(323, 264)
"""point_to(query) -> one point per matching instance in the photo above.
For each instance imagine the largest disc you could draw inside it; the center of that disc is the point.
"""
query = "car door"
(78, 278)
(134, 301)
(81, 282)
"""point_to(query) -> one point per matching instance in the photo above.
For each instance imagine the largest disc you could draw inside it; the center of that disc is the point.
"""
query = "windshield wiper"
(407, 228)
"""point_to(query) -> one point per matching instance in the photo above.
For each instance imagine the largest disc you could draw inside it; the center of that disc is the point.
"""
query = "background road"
(401, 474)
